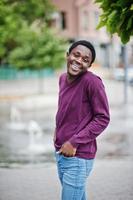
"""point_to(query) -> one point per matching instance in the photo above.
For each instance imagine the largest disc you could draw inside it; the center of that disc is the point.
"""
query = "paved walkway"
(110, 179)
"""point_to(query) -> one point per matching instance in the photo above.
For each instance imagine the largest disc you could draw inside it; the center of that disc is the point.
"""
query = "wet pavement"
(112, 176)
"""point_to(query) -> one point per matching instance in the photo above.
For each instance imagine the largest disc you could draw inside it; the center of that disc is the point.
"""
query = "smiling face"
(78, 61)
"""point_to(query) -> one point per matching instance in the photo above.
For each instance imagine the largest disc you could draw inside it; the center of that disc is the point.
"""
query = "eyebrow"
(87, 56)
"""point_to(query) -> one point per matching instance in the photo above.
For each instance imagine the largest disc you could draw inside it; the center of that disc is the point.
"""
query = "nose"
(79, 60)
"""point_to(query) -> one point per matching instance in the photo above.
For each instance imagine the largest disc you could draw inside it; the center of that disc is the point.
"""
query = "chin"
(72, 72)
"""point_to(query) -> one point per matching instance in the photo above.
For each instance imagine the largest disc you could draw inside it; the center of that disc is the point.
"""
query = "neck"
(70, 78)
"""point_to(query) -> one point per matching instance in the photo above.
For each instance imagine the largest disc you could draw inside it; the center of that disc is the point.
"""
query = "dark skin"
(78, 62)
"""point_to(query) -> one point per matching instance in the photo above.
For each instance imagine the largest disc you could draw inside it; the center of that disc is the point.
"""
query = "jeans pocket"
(68, 157)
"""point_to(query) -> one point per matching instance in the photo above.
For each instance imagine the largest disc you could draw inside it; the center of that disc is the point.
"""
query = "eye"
(86, 60)
(76, 54)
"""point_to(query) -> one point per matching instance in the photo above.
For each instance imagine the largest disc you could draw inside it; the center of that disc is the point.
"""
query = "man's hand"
(67, 149)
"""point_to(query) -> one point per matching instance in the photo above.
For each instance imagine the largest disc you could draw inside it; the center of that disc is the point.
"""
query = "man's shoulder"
(62, 78)
(92, 81)
(63, 75)
(90, 77)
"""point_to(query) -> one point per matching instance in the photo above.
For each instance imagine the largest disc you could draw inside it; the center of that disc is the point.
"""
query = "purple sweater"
(83, 113)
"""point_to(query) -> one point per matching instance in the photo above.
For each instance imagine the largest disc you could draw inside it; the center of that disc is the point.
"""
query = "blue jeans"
(73, 173)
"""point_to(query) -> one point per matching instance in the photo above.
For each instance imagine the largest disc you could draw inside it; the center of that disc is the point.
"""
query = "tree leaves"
(117, 16)
(25, 39)
(40, 50)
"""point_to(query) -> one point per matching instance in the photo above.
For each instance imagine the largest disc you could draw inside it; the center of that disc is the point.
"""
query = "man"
(82, 115)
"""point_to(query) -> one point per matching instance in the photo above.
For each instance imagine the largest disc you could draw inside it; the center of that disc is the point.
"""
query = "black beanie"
(84, 43)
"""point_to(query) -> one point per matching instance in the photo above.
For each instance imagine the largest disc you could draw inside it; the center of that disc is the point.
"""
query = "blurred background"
(34, 37)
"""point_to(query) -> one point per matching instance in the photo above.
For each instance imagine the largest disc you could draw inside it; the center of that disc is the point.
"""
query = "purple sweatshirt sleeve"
(101, 117)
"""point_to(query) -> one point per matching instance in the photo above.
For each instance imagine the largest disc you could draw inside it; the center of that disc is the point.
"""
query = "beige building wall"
(68, 7)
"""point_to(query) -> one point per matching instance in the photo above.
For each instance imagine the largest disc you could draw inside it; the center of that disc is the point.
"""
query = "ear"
(89, 66)
(67, 54)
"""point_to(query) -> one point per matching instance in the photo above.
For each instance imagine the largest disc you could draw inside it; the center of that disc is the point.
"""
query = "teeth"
(75, 64)
(75, 67)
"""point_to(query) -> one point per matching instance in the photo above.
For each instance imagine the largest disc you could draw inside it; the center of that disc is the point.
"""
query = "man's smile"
(75, 67)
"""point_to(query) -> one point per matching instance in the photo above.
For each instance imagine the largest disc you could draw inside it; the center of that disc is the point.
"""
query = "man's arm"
(101, 116)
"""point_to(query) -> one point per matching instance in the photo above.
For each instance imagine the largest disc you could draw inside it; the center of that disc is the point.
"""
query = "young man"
(82, 115)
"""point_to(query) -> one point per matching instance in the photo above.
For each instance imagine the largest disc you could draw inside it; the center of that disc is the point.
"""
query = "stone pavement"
(110, 179)
(112, 176)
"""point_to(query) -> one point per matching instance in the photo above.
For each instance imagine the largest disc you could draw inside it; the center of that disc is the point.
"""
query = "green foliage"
(39, 50)
(30, 10)
(25, 39)
(117, 16)
(9, 24)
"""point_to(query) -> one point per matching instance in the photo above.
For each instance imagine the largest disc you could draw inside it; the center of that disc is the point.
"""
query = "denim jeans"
(73, 173)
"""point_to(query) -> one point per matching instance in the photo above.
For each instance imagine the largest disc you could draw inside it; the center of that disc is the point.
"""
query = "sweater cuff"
(73, 143)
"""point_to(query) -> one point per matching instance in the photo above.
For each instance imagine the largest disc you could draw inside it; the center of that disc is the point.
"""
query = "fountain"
(23, 141)
(36, 145)
(15, 120)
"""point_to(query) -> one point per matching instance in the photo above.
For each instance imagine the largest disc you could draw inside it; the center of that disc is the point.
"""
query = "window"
(58, 20)
(63, 20)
